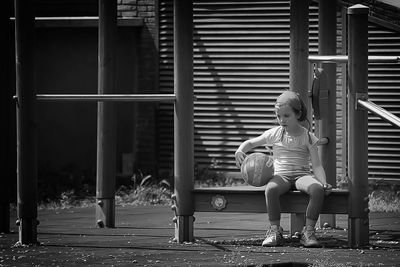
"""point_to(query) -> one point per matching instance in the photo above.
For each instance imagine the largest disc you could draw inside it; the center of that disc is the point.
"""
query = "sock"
(310, 223)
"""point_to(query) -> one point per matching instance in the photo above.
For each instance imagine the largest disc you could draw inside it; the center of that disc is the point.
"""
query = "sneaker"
(274, 237)
(308, 238)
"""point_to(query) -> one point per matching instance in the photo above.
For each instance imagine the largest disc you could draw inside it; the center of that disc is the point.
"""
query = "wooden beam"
(26, 123)
(251, 199)
(358, 125)
(6, 158)
(327, 46)
(106, 126)
(183, 117)
(299, 66)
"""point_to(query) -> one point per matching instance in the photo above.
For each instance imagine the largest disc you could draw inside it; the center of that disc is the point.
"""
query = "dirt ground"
(143, 237)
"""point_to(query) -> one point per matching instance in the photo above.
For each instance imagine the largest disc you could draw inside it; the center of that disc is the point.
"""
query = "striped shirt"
(291, 153)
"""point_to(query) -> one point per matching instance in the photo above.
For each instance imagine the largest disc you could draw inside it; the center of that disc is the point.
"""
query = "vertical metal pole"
(183, 119)
(299, 67)
(106, 127)
(26, 122)
(5, 113)
(358, 126)
(327, 124)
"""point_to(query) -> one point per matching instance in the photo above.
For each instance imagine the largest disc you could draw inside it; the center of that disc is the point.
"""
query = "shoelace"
(309, 233)
(272, 231)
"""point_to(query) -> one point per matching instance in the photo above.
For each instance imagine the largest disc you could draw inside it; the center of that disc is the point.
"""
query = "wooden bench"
(249, 199)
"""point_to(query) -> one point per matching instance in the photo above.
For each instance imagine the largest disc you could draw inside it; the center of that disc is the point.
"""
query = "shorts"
(292, 178)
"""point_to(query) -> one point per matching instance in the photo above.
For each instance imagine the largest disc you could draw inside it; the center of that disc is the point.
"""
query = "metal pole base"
(327, 220)
(27, 228)
(4, 218)
(184, 229)
(297, 221)
(358, 234)
(105, 212)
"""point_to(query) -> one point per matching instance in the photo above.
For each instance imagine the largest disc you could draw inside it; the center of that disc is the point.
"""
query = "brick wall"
(145, 149)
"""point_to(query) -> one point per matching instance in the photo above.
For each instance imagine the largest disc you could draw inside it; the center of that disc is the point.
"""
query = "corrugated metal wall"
(241, 64)
(384, 90)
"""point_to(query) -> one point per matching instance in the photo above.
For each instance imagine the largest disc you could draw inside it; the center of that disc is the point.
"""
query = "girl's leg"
(275, 188)
(314, 189)
(309, 185)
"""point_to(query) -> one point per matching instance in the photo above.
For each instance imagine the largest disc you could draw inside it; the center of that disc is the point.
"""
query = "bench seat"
(252, 200)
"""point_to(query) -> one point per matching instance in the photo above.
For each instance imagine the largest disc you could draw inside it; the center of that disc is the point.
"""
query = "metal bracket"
(15, 98)
(218, 202)
(363, 97)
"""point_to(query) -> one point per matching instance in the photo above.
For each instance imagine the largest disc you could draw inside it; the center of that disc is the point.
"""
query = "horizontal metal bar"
(345, 58)
(108, 97)
(329, 59)
(381, 112)
(72, 22)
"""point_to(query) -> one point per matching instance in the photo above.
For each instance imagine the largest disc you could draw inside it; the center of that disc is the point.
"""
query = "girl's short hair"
(293, 100)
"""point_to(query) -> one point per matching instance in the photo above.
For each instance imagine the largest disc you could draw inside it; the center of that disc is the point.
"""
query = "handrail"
(345, 59)
(381, 112)
(108, 97)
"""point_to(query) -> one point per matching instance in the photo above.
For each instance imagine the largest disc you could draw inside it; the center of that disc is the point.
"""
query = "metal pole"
(5, 113)
(345, 59)
(26, 122)
(381, 112)
(299, 69)
(106, 128)
(109, 97)
(358, 126)
(327, 46)
(183, 120)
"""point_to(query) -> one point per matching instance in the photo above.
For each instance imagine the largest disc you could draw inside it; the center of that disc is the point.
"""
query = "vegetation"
(69, 189)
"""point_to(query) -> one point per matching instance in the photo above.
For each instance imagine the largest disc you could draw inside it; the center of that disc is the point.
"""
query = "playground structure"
(353, 202)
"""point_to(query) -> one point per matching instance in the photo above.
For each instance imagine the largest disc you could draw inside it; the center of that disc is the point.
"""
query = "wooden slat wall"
(241, 64)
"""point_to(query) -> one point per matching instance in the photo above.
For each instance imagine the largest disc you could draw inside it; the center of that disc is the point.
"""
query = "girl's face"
(287, 118)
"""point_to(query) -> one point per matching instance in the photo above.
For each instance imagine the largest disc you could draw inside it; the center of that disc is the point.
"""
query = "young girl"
(293, 147)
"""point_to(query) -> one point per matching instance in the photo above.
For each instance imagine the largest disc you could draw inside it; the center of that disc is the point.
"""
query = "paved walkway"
(143, 237)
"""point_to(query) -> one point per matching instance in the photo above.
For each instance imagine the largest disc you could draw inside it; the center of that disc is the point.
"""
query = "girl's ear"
(299, 115)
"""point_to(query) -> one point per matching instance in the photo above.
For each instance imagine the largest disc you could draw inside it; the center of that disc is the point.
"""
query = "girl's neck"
(296, 130)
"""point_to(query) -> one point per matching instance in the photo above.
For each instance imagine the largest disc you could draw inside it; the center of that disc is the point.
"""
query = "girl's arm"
(318, 169)
(246, 146)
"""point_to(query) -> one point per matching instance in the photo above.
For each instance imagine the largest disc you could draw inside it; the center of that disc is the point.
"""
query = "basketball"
(257, 169)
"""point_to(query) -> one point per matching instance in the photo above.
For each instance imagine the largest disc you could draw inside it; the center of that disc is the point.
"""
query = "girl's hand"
(239, 157)
(327, 189)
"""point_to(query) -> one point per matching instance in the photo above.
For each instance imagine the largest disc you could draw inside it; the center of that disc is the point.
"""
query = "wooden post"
(5, 113)
(299, 48)
(344, 130)
(183, 120)
(299, 68)
(358, 126)
(106, 127)
(327, 124)
(26, 122)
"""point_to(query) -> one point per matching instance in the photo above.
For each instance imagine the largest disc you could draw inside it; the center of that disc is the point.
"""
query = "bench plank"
(252, 200)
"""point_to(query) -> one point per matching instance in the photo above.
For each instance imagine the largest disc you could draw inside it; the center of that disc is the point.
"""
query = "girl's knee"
(271, 190)
(316, 190)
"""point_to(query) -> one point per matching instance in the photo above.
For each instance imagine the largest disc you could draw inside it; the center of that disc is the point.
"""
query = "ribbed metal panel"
(241, 64)
(384, 90)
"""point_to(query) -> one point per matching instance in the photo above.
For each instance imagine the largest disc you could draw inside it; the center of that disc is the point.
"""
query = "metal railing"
(108, 97)
(345, 59)
(379, 111)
